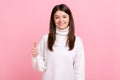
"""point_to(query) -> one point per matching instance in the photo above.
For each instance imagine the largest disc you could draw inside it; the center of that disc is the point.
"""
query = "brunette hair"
(52, 30)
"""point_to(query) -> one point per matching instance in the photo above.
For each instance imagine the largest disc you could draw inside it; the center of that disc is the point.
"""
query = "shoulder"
(45, 36)
(78, 43)
(78, 39)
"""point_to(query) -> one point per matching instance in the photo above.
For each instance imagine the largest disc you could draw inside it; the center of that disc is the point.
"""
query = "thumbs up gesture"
(35, 50)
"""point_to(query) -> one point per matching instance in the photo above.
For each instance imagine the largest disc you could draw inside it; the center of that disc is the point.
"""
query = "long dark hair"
(52, 30)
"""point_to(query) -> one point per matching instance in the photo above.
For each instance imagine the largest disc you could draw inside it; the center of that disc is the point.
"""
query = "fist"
(35, 50)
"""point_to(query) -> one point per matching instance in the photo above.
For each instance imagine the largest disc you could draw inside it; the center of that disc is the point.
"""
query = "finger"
(34, 50)
(33, 54)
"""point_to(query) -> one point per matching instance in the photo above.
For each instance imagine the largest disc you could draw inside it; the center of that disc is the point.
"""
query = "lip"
(61, 23)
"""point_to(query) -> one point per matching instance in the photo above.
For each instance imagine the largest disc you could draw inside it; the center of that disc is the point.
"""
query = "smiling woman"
(61, 19)
(60, 54)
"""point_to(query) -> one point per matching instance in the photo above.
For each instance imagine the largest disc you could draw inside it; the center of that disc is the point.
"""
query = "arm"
(38, 62)
(79, 63)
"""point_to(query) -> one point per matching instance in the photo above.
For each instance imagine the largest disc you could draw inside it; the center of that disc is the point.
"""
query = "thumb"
(35, 45)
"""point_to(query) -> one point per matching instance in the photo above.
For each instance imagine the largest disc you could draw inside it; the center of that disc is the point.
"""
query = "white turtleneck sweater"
(60, 64)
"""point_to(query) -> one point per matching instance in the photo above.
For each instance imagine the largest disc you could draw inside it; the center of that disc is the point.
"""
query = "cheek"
(56, 20)
(67, 19)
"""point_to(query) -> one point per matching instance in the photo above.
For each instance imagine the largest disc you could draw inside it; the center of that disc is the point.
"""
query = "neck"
(63, 32)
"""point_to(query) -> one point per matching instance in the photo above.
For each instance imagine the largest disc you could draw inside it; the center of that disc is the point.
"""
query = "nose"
(61, 19)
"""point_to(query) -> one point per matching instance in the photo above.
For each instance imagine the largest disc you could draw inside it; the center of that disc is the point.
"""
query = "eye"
(64, 16)
(56, 17)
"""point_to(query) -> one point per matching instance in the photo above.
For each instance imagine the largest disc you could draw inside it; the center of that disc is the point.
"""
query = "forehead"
(60, 13)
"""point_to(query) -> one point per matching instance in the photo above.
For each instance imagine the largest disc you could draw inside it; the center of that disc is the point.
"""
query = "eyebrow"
(62, 15)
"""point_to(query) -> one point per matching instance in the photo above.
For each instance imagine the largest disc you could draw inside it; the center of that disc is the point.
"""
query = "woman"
(60, 54)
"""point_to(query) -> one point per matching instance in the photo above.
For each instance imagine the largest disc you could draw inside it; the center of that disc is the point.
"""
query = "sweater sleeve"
(79, 63)
(38, 62)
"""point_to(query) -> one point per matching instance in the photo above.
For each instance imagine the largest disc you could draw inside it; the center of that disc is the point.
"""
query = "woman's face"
(61, 19)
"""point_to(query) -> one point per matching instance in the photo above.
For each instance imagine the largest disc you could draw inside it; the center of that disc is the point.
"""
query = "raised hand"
(35, 50)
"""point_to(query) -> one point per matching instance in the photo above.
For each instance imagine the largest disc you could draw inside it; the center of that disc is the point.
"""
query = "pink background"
(22, 22)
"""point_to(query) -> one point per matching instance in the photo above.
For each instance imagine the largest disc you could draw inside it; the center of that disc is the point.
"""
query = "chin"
(62, 27)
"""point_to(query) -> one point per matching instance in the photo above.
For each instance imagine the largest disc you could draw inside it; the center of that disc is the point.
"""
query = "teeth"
(61, 24)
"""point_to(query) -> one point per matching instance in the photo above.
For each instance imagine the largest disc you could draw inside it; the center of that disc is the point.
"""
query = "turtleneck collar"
(63, 32)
